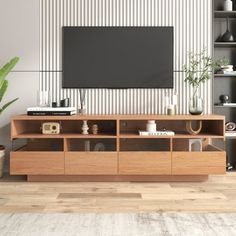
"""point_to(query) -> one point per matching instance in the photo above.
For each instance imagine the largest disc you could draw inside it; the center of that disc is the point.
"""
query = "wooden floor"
(218, 194)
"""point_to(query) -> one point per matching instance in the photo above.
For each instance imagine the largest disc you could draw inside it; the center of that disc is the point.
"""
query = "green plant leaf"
(3, 89)
(7, 105)
(5, 70)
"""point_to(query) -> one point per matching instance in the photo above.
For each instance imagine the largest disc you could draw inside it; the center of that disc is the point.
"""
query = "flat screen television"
(117, 57)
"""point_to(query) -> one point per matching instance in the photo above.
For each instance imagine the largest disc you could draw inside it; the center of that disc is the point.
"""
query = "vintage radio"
(51, 128)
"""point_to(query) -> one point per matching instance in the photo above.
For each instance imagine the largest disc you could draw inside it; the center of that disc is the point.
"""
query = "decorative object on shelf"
(87, 146)
(65, 102)
(230, 126)
(99, 147)
(227, 68)
(2, 156)
(190, 129)
(197, 72)
(224, 98)
(195, 145)
(227, 36)
(171, 104)
(151, 126)
(85, 127)
(223, 66)
(51, 128)
(43, 98)
(95, 129)
(228, 5)
(171, 110)
(195, 104)
(229, 166)
(82, 93)
(54, 104)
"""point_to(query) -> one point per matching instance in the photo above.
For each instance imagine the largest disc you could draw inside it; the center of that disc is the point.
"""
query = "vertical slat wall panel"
(192, 32)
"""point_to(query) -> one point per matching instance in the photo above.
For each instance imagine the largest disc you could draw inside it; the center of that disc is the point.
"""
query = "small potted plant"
(198, 71)
(4, 71)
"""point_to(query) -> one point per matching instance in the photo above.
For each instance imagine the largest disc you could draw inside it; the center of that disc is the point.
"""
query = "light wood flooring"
(218, 194)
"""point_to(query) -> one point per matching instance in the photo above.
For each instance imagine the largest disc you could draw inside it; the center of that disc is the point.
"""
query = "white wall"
(19, 24)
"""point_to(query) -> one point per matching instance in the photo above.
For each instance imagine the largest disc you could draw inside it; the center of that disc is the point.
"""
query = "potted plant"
(4, 71)
(198, 71)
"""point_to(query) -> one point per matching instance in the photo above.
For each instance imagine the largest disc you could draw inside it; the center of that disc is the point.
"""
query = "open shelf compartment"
(130, 128)
(68, 128)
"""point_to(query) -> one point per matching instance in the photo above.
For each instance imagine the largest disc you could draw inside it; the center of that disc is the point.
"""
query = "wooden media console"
(125, 155)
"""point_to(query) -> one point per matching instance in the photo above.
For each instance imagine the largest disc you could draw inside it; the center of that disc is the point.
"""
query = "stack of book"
(157, 133)
(230, 134)
(51, 111)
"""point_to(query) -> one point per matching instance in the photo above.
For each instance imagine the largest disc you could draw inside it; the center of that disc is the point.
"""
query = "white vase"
(2, 155)
(151, 126)
(228, 5)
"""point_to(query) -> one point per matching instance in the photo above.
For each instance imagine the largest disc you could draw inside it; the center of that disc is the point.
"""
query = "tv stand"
(127, 155)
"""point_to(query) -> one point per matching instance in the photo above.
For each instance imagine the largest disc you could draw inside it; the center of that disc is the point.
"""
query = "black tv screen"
(117, 57)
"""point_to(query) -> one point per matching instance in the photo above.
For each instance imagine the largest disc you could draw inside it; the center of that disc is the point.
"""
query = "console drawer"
(90, 163)
(145, 163)
(36, 163)
(199, 163)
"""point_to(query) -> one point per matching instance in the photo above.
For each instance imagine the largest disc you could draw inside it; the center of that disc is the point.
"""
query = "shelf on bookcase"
(68, 135)
(225, 14)
(225, 44)
(223, 75)
(176, 136)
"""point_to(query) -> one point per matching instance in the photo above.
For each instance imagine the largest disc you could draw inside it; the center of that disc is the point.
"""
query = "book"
(51, 109)
(225, 72)
(51, 113)
(230, 133)
(229, 104)
(157, 133)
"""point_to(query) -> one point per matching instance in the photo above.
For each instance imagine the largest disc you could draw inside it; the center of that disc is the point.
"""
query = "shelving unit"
(225, 84)
(124, 152)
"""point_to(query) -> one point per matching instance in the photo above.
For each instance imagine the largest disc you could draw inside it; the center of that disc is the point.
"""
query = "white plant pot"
(2, 155)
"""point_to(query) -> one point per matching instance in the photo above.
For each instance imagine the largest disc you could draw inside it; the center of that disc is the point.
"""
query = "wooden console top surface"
(121, 117)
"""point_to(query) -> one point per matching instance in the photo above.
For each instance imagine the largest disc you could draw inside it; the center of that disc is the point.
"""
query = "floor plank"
(218, 194)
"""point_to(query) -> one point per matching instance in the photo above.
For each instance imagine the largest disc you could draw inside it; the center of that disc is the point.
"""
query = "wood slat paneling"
(192, 32)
